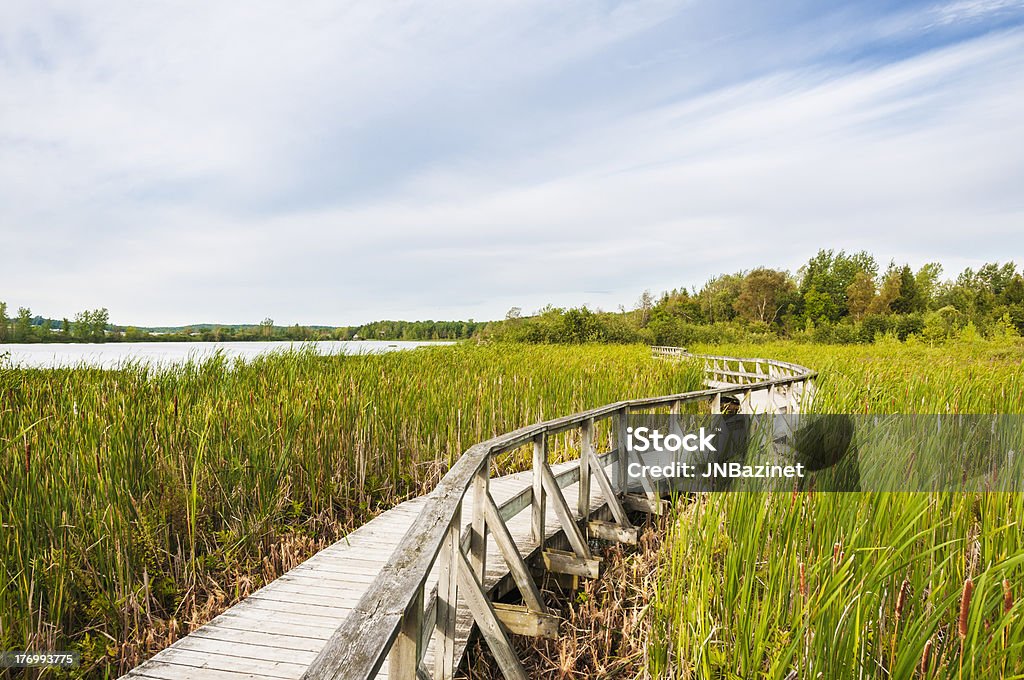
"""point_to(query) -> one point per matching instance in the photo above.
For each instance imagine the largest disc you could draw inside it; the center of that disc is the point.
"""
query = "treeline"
(95, 326)
(835, 297)
(411, 330)
(87, 326)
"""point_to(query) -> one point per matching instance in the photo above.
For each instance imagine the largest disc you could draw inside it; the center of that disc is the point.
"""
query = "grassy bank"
(136, 504)
(854, 585)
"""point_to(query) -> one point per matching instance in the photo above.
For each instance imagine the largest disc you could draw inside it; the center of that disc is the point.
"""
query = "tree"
(98, 324)
(819, 306)
(23, 325)
(830, 274)
(4, 321)
(860, 294)
(267, 327)
(927, 279)
(514, 313)
(82, 327)
(881, 304)
(718, 296)
(763, 293)
(644, 304)
(908, 300)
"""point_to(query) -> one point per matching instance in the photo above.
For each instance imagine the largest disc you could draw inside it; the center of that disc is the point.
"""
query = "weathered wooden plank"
(618, 511)
(447, 603)
(638, 503)
(610, 531)
(561, 562)
(158, 670)
(487, 621)
(568, 522)
(510, 552)
(478, 525)
(407, 650)
(522, 620)
(540, 458)
(263, 638)
(213, 647)
(227, 662)
(586, 453)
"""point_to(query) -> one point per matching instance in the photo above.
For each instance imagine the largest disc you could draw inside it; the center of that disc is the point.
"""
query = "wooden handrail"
(360, 646)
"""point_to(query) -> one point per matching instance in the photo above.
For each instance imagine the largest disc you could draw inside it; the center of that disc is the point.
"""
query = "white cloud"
(182, 167)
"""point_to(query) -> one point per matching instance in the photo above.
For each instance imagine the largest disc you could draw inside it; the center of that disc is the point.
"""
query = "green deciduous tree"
(23, 325)
(763, 294)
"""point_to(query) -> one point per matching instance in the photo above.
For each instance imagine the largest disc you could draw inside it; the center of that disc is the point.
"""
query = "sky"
(334, 163)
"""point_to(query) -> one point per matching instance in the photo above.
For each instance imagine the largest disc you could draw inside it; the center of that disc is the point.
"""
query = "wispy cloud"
(342, 163)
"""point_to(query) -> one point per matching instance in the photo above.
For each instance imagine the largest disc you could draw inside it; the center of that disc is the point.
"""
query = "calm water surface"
(108, 355)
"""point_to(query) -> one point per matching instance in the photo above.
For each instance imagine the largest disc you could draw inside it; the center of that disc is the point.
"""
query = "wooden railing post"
(586, 453)
(478, 530)
(447, 600)
(540, 458)
(407, 649)
(621, 469)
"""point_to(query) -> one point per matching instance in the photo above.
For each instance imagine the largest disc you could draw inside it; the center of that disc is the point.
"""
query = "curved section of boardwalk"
(401, 595)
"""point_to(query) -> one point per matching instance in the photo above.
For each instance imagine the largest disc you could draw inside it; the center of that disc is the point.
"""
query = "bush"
(872, 326)
(908, 324)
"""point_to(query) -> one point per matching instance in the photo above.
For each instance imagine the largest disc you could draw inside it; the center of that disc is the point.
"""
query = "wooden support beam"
(586, 453)
(561, 562)
(653, 497)
(487, 621)
(565, 516)
(540, 458)
(429, 627)
(622, 478)
(447, 600)
(407, 650)
(610, 531)
(522, 620)
(507, 544)
(638, 503)
(478, 528)
(618, 512)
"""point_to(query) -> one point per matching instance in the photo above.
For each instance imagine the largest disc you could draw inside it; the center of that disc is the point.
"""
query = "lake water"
(108, 355)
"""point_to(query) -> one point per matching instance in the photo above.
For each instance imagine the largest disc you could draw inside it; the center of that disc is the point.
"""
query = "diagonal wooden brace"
(507, 544)
(565, 516)
(490, 627)
(618, 512)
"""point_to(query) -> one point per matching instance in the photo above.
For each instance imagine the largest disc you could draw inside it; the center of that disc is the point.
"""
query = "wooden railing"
(395, 619)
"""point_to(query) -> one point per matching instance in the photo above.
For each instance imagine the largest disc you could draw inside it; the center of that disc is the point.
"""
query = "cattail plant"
(902, 598)
(926, 657)
(965, 608)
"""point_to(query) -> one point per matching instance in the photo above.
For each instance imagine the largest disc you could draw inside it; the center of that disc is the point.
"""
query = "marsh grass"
(137, 503)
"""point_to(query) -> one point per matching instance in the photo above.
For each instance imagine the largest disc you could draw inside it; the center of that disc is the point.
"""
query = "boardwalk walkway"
(401, 595)
(277, 631)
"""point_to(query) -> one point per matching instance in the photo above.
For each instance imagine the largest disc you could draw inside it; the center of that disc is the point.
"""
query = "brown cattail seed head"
(1007, 596)
(901, 599)
(803, 581)
(926, 656)
(965, 606)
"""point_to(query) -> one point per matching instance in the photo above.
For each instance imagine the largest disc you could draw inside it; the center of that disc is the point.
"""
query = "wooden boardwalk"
(277, 631)
(401, 595)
